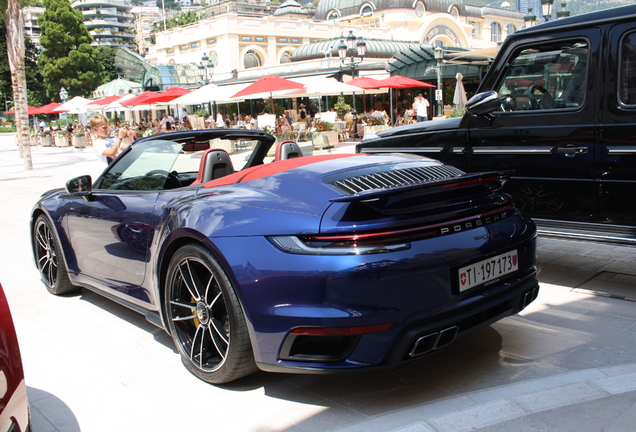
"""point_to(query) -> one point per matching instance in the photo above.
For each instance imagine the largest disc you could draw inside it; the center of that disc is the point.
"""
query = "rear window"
(627, 71)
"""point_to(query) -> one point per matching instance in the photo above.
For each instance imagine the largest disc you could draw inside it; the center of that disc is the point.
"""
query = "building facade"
(31, 26)
(243, 44)
(109, 22)
(145, 17)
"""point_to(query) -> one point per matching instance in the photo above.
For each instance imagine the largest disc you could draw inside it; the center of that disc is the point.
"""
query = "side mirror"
(483, 104)
(80, 186)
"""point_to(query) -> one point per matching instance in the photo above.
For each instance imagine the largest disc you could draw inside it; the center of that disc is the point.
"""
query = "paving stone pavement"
(566, 363)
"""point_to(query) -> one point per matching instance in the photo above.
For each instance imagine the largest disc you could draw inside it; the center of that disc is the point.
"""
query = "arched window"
(333, 14)
(511, 29)
(454, 12)
(420, 9)
(251, 60)
(214, 58)
(495, 30)
(366, 10)
(286, 57)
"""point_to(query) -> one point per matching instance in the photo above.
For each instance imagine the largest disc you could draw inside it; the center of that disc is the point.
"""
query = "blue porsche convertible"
(306, 264)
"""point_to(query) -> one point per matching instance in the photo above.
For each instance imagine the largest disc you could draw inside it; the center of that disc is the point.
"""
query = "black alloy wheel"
(205, 317)
(49, 259)
(537, 197)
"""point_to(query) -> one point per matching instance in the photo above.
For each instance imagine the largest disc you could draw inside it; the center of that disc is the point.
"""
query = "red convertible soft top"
(272, 168)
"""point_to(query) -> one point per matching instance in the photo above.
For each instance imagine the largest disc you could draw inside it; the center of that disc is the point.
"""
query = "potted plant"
(45, 139)
(61, 140)
(326, 128)
(79, 140)
(199, 119)
(341, 107)
(373, 124)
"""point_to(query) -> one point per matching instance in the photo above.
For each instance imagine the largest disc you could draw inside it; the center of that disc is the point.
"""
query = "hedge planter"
(332, 136)
(62, 141)
(375, 129)
(79, 141)
(45, 140)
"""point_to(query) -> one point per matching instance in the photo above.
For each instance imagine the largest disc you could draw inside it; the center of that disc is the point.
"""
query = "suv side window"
(548, 76)
(627, 71)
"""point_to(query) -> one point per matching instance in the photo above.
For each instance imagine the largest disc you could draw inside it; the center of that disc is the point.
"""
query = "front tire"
(205, 318)
(48, 258)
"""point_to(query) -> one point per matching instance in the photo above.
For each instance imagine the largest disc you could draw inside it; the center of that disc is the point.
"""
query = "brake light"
(341, 331)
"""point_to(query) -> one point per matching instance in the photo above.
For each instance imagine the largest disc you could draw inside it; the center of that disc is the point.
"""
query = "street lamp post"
(63, 95)
(530, 19)
(439, 56)
(353, 45)
(564, 12)
(206, 69)
(206, 73)
(546, 9)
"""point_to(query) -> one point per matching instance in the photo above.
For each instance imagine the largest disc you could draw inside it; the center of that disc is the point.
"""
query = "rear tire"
(205, 318)
(48, 258)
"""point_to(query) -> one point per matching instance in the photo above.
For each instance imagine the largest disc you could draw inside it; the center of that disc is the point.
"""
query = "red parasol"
(167, 95)
(140, 99)
(398, 81)
(366, 83)
(48, 109)
(104, 101)
(268, 84)
(30, 111)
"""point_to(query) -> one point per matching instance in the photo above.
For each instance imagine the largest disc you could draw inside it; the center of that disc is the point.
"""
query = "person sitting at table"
(282, 127)
(377, 113)
(302, 114)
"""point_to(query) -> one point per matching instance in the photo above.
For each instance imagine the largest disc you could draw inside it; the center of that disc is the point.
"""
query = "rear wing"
(377, 186)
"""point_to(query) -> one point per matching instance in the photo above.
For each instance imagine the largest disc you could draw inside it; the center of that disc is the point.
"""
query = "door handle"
(571, 151)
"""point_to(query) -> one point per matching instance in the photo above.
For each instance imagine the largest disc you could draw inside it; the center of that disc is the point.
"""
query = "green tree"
(35, 89)
(68, 59)
(169, 4)
(106, 57)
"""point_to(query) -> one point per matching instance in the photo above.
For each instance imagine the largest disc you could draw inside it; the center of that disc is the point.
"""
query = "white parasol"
(459, 99)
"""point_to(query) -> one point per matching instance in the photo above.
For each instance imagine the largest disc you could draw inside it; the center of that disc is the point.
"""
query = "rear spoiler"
(494, 180)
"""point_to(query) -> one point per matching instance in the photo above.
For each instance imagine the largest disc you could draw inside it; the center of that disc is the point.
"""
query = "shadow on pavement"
(47, 408)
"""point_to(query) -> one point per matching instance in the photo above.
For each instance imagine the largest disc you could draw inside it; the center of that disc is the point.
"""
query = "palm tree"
(15, 54)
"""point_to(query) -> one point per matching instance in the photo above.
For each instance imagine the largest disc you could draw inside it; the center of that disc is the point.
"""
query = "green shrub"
(457, 111)
(342, 107)
(323, 126)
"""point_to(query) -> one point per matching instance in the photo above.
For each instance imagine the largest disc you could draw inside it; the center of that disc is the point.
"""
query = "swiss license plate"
(487, 270)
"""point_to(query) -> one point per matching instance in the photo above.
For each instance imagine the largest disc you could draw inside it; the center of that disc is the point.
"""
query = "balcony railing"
(108, 13)
(78, 3)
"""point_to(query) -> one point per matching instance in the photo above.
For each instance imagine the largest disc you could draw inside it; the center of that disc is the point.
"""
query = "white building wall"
(188, 44)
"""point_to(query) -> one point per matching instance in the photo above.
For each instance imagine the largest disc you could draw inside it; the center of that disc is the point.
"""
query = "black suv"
(558, 107)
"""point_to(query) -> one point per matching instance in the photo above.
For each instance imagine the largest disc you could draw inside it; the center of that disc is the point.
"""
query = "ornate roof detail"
(376, 48)
(344, 8)
(290, 7)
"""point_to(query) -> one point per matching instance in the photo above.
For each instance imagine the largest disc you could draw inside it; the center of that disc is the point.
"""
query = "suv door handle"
(571, 151)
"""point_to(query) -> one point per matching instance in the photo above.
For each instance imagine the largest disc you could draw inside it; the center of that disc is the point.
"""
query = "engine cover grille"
(396, 178)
